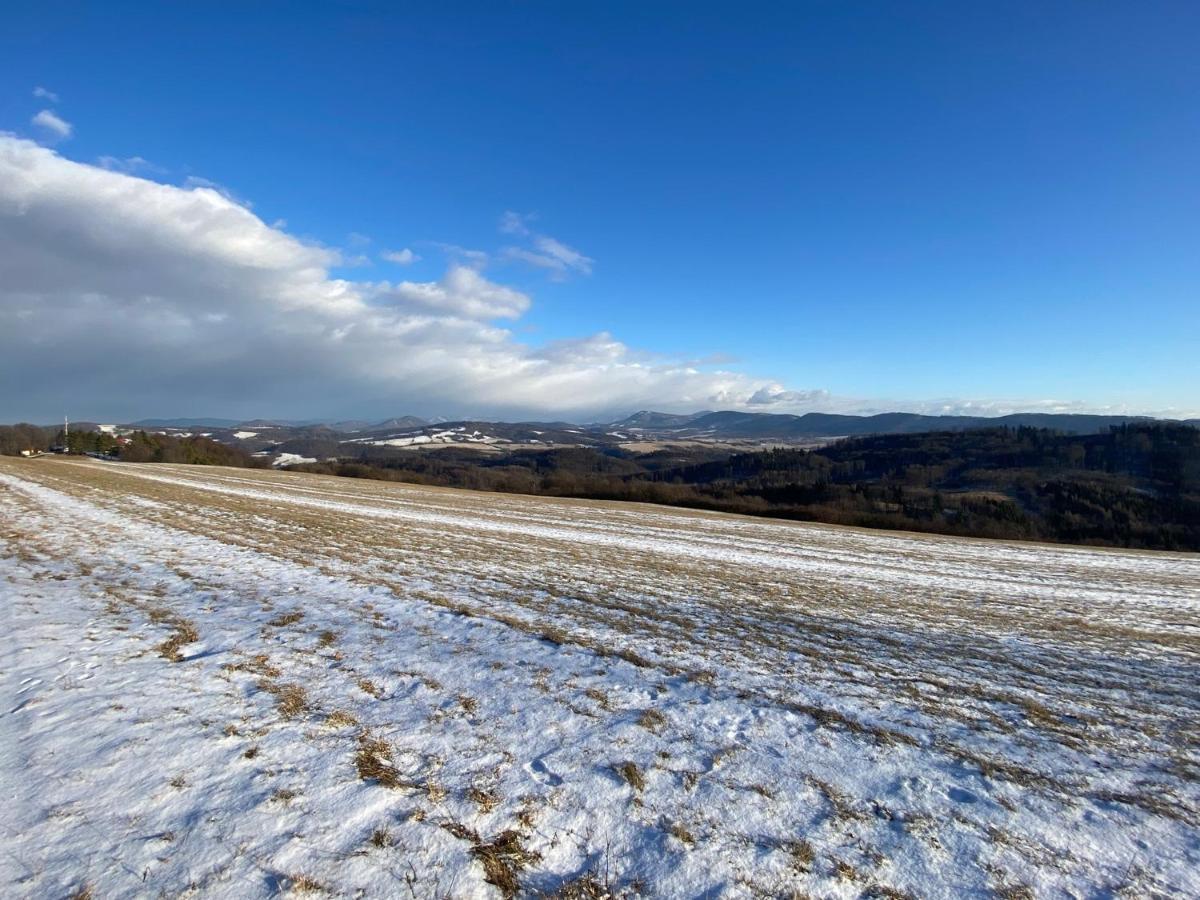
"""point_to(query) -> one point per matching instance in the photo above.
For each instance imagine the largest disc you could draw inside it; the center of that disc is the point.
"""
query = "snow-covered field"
(446, 436)
(237, 683)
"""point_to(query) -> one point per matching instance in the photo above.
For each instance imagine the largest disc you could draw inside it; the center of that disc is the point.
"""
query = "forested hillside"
(1135, 486)
(138, 446)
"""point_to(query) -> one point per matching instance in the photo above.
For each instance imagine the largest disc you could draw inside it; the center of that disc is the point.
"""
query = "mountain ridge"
(744, 423)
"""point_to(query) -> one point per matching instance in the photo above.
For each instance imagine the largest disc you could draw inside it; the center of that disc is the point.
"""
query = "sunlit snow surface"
(808, 710)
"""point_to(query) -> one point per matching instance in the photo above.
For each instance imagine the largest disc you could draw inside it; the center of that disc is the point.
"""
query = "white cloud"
(569, 257)
(130, 164)
(52, 123)
(193, 182)
(122, 297)
(45, 94)
(461, 292)
(777, 395)
(153, 296)
(558, 258)
(546, 252)
(403, 257)
(514, 223)
(476, 258)
(534, 259)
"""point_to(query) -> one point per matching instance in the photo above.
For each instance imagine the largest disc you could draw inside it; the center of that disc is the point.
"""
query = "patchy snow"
(452, 436)
(396, 442)
(288, 459)
(243, 435)
(229, 681)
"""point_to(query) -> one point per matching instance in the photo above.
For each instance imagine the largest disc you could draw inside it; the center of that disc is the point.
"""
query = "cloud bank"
(122, 297)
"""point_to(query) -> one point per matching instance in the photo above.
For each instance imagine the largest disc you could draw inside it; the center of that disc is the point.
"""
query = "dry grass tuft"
(327, 638)
(630, 657)
(846, 871)
(880, 891)
(1012, 892)
(259, 664)
(652, 720)
(288, 618)
(554, 635)
(84, 892)
(374, 762)
(435, 792)
(485, 800)
(679, 831)
(585, 887)
(251, 752)
(291, 699)
(381, 838)
(303, 884)
(503, 858)
(185, 633)
(802, 855)
(462, 832)
(369, 687)
(632, 774)
(339, 718)
(1038, 713)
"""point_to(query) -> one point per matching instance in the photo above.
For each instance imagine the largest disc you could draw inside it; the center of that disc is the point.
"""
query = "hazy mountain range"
(748, 423)
(646, 425)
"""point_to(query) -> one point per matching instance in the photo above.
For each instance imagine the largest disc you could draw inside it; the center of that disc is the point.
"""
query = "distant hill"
(398, 423)
(657, 420)
(730, 425)
(185, 423)
(732, 429)
(749, 425)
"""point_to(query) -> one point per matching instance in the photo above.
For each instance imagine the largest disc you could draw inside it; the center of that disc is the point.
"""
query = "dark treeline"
(23, 436)
(138, 446)
(1136, 486)
(196, 450)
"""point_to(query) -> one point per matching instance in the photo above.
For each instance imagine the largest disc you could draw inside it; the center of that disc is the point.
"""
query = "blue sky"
(911, 205)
